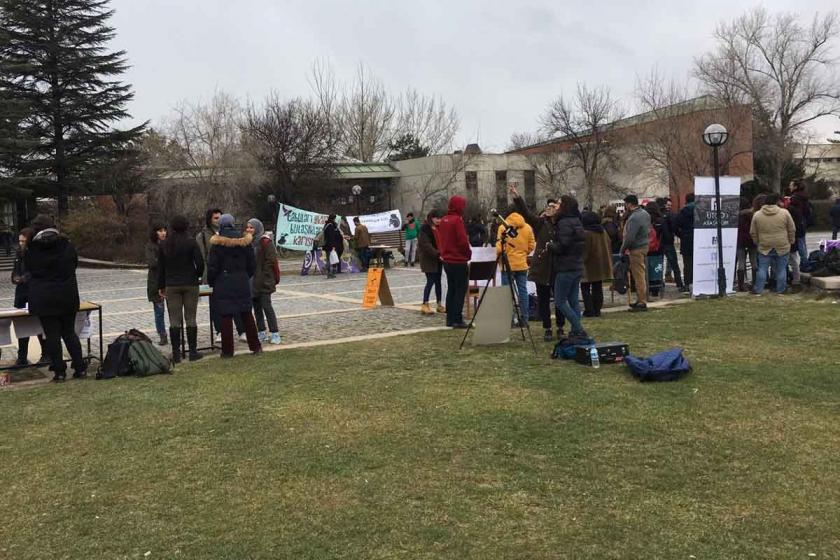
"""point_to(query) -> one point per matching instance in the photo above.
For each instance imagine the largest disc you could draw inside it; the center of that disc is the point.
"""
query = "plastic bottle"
(593, 357)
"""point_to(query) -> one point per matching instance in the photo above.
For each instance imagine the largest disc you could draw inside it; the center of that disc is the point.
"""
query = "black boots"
(741, 277)
(192, 341)
(175, 339)
(163, 340)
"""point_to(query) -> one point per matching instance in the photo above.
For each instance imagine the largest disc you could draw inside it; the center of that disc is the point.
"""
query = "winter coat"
(798, 215)
(20, 278)
(333, 239)
(453, 243)
(266, 268)
(427, 251)
(203, 240)
(229, 271)
(685, 229)
(477, 233)
(519, 247)
(835, 214)
(636, 231)
(660, 226)
(669, 230)
(179, 262)
(567, 245)
(773, 228)
(614, 232)
(543, 228)
(744, 223)
(51, 261)
(597, 255)
(361, 239)
(152, 256)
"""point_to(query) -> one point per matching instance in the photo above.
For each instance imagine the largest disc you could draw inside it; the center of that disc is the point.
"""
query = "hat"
(259, 230)
(226, 221)
(42, 222)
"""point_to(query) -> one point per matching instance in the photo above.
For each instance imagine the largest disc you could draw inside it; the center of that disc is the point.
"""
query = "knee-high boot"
(175, 339)
(192, 341)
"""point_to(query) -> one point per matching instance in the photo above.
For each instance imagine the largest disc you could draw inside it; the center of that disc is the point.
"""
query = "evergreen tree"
(407, 146)
(55, 67)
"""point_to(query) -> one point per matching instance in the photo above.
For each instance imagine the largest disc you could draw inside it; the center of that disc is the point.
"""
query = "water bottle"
(593, 357)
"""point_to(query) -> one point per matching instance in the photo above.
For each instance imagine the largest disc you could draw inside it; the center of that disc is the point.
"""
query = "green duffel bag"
(146, 360)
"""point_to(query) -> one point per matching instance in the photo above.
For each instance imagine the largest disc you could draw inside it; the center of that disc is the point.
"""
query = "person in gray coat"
(635, 245)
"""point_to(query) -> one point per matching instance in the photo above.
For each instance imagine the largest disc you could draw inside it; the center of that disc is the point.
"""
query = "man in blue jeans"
(774, 232)
(517, 250)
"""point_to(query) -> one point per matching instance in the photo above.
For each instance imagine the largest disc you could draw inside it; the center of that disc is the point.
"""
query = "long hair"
(178, 239)
(153, 236)
(569, 206)
(208, 216)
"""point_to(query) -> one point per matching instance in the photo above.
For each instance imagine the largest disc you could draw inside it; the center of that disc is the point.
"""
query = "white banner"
(705, 232)
(378, 223)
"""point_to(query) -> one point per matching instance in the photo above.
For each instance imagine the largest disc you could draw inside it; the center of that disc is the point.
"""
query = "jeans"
(457, 281)
(593, 298)
(779, 264)
(410, 250)
(183, 303)
(56, 328)
(432, 281)
(364, 257)
(544, 303)
(802, 248)
(567, 296)
(673, 264)
(160, 320)
(520, 278)
(263, 311)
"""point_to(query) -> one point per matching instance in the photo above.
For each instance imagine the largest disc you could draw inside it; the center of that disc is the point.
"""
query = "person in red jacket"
(455, 252)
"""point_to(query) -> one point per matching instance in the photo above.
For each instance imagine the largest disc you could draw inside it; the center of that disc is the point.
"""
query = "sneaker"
(218, 339)
(461, 325)
(638, 307)
(275, 338)
(440, 309)
(263, 336)
(243, 337)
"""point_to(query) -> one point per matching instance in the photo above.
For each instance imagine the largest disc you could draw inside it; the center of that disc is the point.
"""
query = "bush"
(100, 234)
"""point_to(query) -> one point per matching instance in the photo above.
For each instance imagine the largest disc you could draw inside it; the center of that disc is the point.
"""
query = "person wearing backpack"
(264, 282)
(180, 266)
(229, 272)
(51, 261)
(637, 236)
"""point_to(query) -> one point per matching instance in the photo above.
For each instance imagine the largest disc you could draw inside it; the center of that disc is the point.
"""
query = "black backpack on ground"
(133, 353)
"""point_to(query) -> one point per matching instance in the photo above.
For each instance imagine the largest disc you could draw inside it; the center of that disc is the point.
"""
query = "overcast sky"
(498, 63)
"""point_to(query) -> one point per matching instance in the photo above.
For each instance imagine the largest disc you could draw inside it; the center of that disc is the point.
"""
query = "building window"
(530, 189)
(501, 190)
(471, 180)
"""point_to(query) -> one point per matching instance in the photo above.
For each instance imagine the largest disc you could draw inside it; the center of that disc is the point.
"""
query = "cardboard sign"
(377, 287)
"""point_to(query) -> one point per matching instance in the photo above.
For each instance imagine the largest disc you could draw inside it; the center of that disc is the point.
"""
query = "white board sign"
(705, 232)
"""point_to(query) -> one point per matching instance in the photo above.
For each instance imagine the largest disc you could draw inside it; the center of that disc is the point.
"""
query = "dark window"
(501, 190)
(471, 179)
(530, 189)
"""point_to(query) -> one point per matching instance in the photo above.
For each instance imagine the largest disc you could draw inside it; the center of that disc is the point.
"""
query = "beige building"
(822, 160)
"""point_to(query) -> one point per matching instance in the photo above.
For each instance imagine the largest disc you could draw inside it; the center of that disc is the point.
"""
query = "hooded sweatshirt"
(519, 247)
(453, 243)
(773, 228)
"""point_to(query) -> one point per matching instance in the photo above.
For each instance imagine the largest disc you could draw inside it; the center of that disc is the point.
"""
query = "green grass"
(408, 448)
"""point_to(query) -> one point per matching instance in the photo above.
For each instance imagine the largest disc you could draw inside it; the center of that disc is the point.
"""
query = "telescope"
(510, 231)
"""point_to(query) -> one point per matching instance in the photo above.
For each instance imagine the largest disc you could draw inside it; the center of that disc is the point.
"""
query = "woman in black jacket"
(20, 278)
(54, 294)
(229, 271)
(333, 239)
(180, 266)
(156, 236)
(567, 251)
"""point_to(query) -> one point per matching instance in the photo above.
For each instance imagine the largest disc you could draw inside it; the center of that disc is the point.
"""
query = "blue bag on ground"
(669, 365)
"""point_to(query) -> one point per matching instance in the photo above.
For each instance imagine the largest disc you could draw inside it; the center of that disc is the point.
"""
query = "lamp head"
(715, 135)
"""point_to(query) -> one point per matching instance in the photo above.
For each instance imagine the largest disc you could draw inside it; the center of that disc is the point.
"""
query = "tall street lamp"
(356, 190)
(716, 136)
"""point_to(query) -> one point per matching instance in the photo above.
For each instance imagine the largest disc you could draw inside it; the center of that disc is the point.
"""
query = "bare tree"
(436, 185)
(583, 124)
(294, 142)
(366, 117)
(428, 120)
(783, 68)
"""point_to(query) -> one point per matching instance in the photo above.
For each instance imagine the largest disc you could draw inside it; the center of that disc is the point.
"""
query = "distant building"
(821, 160)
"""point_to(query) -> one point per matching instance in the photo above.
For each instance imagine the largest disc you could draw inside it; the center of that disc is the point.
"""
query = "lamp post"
(356, 190)
(272, 204)
(716, 136)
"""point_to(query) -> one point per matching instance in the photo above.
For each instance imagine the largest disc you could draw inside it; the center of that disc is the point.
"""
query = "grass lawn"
(407, 448)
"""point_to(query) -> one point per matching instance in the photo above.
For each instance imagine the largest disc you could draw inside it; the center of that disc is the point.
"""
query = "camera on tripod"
(509, 231)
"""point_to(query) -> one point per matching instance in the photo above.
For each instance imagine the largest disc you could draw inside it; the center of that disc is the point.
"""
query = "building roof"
(353, 171)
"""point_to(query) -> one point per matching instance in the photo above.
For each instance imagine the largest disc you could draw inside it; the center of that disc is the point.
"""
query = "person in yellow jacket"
(517, 249)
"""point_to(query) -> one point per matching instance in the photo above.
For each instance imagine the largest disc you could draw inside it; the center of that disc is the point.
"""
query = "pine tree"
(55, 66)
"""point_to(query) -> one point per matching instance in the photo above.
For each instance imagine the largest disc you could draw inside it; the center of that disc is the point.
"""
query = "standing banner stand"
(705, 233)
(377, 288)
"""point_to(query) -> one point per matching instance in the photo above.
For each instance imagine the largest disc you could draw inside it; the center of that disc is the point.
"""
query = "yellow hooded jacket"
(519, 247)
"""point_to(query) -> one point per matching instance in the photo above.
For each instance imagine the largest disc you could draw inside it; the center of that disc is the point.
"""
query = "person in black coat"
(20, 278)
(54, 294)
(229, 271)
(834, 214)
(333, 239)
(567, 262)
(180, 267)
(685, 231)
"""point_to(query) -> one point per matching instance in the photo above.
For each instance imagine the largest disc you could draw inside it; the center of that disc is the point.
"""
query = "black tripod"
(507, 273)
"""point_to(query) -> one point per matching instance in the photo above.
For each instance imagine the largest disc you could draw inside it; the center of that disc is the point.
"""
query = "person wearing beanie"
(455, 253)
(180, 266)
(264, 282)
(229, 271)
(51, 261)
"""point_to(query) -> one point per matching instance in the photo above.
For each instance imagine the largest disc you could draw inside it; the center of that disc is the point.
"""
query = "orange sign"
(377, 288)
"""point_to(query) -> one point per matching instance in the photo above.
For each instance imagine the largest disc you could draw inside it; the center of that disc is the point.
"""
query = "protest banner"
(296, 228)
(379, 223)
(705, 232)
